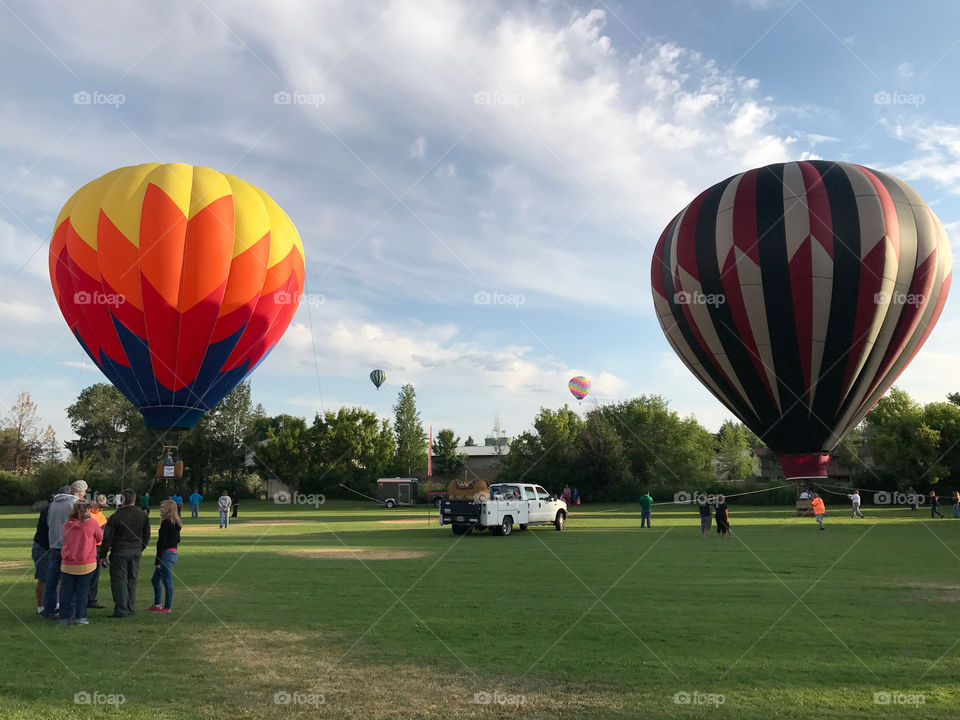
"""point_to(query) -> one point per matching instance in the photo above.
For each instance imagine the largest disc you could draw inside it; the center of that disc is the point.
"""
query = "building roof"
(483, 450)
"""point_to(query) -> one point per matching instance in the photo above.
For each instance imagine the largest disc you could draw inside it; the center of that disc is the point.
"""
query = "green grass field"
(353, 611)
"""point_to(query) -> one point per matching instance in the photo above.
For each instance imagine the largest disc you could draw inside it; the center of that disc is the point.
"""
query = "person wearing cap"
(96, 512)
(125, 537)
(57, 515)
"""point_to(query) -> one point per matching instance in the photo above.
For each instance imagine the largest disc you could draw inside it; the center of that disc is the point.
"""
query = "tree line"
(611, 453)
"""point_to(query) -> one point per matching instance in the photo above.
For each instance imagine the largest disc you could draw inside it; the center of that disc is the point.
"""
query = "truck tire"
(505, 527)
(560, 521)
(391, 503)
(438, 502)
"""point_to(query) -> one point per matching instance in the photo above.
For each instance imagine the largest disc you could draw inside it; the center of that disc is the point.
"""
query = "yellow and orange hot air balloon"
(177, 281)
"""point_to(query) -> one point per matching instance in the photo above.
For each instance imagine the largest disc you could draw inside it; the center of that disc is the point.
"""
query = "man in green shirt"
(645, 502)
(145, 503)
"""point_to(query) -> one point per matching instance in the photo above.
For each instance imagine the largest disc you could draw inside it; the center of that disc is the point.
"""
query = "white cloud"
(80, 365)
(418, 147)
(24, 313)
(936, 154)
(580, 120)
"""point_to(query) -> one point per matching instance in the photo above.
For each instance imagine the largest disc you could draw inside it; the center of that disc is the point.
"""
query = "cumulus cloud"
(936, 154)
(418, 147)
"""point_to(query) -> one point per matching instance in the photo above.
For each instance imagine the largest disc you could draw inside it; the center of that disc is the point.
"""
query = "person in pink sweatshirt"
(78, 560)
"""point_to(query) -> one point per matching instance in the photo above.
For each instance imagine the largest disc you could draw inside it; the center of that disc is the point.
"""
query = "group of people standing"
(74, 540)
(570, 497)
(225, 504)
(711, 508)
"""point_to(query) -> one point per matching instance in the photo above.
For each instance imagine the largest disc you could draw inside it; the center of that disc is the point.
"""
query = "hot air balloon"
(579, 386)
(177, 281)
(797, 293)
(378, 378)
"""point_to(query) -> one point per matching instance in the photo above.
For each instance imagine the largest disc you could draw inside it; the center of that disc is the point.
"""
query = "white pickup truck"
(509, 504)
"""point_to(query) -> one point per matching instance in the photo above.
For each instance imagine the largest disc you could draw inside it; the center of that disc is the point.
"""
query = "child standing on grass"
(81, 533)
(167, 541)
(819, 509)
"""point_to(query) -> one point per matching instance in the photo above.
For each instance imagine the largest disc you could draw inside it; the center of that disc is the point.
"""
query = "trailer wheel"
(438, 502)
(391, 503)
(523, 526)
(559, 522)
(460, 529)
(505, 527)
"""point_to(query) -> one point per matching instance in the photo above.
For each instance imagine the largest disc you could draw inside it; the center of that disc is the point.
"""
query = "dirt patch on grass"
(424, 521)
(342, 553)
(310, 667)
(934, 592)
(14, 564)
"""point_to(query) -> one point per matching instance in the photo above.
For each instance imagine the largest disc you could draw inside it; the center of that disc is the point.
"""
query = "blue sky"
(415, 197)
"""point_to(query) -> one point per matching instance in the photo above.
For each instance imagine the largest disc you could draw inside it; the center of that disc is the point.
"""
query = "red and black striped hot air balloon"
(177, 281)
(797, 293)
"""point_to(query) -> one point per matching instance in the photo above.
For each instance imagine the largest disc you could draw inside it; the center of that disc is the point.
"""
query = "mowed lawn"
(349, 610)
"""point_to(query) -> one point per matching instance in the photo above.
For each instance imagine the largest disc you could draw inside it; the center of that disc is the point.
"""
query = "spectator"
(179, 502)
(195, 499)
(912, 498)
(167, 540)
(575, 496)
(566, 495)
(235, 499)
(645, 503)
(96, 512)
(81, 533)
(934, 505)
(819, 509)
(125, 537)
(723, 517)
(855, 504)
(39, 550)
(224, 504)
(956, 504)
(144, 501)
(58, 513)
(706, 518)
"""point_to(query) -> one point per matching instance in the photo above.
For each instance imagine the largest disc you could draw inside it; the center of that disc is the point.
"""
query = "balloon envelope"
(378, 378)
(797, 293)
(579, 386)
(177, 281)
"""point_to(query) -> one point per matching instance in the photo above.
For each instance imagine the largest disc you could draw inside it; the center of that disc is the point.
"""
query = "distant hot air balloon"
(177, 281)
(378, 378)
(797, 293)
(579, 386)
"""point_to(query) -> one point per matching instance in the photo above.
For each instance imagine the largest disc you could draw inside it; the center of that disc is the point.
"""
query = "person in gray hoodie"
(57, 514)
